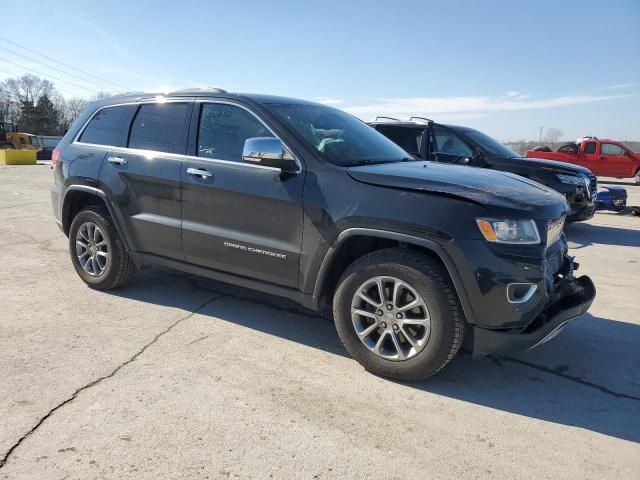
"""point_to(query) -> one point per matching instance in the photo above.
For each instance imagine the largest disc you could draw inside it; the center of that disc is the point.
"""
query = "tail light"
(55, 158)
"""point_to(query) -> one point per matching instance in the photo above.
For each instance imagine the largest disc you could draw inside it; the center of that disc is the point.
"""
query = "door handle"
(199, 172)
(117, 160)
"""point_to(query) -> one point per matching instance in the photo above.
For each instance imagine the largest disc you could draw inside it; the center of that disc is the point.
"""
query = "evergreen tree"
(47, 117)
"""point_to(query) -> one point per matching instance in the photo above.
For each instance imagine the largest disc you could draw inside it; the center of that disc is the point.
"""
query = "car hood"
(560, 167)
(479, 185)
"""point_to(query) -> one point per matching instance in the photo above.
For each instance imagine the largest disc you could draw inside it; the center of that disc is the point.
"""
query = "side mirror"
(269, 152)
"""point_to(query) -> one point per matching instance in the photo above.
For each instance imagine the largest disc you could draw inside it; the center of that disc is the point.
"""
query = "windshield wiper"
(380, 162)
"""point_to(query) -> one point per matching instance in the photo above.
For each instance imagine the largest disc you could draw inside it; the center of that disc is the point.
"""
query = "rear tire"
(637, 177)
(421, 352)
(542, 148)
(97, 252)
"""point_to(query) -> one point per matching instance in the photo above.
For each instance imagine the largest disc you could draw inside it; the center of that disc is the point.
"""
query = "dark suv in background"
(429, 140)
(305, 201)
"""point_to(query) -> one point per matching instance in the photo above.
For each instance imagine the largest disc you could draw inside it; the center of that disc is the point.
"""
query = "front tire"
(97, 252)
(397, 314)
(637, 177)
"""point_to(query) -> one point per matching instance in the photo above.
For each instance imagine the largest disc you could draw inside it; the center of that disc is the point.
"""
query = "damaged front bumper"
(570, 298)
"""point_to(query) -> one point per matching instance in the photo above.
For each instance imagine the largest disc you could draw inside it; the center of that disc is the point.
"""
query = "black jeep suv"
(305, 201)
(428, 140)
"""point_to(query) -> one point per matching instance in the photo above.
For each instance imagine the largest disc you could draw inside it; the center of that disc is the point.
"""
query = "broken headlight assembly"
(509, 231)
(573, 179)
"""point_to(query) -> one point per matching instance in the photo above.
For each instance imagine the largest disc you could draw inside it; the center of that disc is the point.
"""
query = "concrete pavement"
(175, 376)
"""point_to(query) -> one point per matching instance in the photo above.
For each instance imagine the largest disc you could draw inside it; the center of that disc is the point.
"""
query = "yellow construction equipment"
(10, 156)
(17, 148)
(22, 141)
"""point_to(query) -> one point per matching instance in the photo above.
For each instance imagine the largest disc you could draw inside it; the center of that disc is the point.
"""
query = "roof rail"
(428, 120)
(201, 89)
(388, 118)
(127, 93)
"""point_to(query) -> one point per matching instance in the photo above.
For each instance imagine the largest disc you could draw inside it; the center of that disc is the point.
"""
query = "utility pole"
(540, 140)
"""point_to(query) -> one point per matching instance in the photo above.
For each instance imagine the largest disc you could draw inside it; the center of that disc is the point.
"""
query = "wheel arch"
(77, 197)
(355, 242)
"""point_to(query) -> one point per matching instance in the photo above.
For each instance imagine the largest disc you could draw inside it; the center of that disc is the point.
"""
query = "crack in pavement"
(194, 284)
(75, 394)
(572, 378)
(198, 340)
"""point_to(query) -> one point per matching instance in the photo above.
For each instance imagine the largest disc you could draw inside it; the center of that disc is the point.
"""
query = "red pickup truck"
(607, 158)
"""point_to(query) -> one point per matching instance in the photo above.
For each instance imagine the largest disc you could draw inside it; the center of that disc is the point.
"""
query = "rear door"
(104, 132)
(238, 217)
(588, 157)
(613, 160)
(144, 176)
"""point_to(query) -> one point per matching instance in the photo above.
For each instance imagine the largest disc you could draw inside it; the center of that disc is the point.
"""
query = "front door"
(613, 160)
(238, 217)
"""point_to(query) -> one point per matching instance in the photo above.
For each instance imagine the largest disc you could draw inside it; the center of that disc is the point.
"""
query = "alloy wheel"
(390, 318)
(92, 249)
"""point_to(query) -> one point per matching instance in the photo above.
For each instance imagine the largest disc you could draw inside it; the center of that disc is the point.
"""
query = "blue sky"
(505, 67)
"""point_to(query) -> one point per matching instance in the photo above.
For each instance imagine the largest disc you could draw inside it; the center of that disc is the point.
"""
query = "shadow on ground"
(581, 235)
(536, 387)
(614, 182)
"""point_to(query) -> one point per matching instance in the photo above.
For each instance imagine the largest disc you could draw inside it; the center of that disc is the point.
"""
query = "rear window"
(106, 126)
(159, 127)
(590, 147)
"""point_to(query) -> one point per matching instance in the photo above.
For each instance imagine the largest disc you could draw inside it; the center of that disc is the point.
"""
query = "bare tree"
(28, 88)
(72, 110)
(552, 136)
(101, 96)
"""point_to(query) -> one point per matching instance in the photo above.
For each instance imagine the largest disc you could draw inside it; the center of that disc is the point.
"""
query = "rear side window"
(223, 130)
(407, 138)
(106, 126)
(159, 127)
(590, 147)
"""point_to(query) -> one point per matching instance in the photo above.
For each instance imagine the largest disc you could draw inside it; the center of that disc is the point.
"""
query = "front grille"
(554, 230)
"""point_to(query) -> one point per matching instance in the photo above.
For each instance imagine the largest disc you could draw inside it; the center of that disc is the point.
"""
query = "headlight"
(573, 179)
(509, 231)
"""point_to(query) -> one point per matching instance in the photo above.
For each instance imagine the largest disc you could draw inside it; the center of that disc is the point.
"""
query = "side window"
(610, 149)
(223, 130)
(159, 127)
(106, 126)
(590, 147)
(407, 138)
(449, 143)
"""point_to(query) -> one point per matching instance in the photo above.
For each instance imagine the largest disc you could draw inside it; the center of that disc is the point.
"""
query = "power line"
(61, 90)
(31, 59)
(66, 64)
(51, 76)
